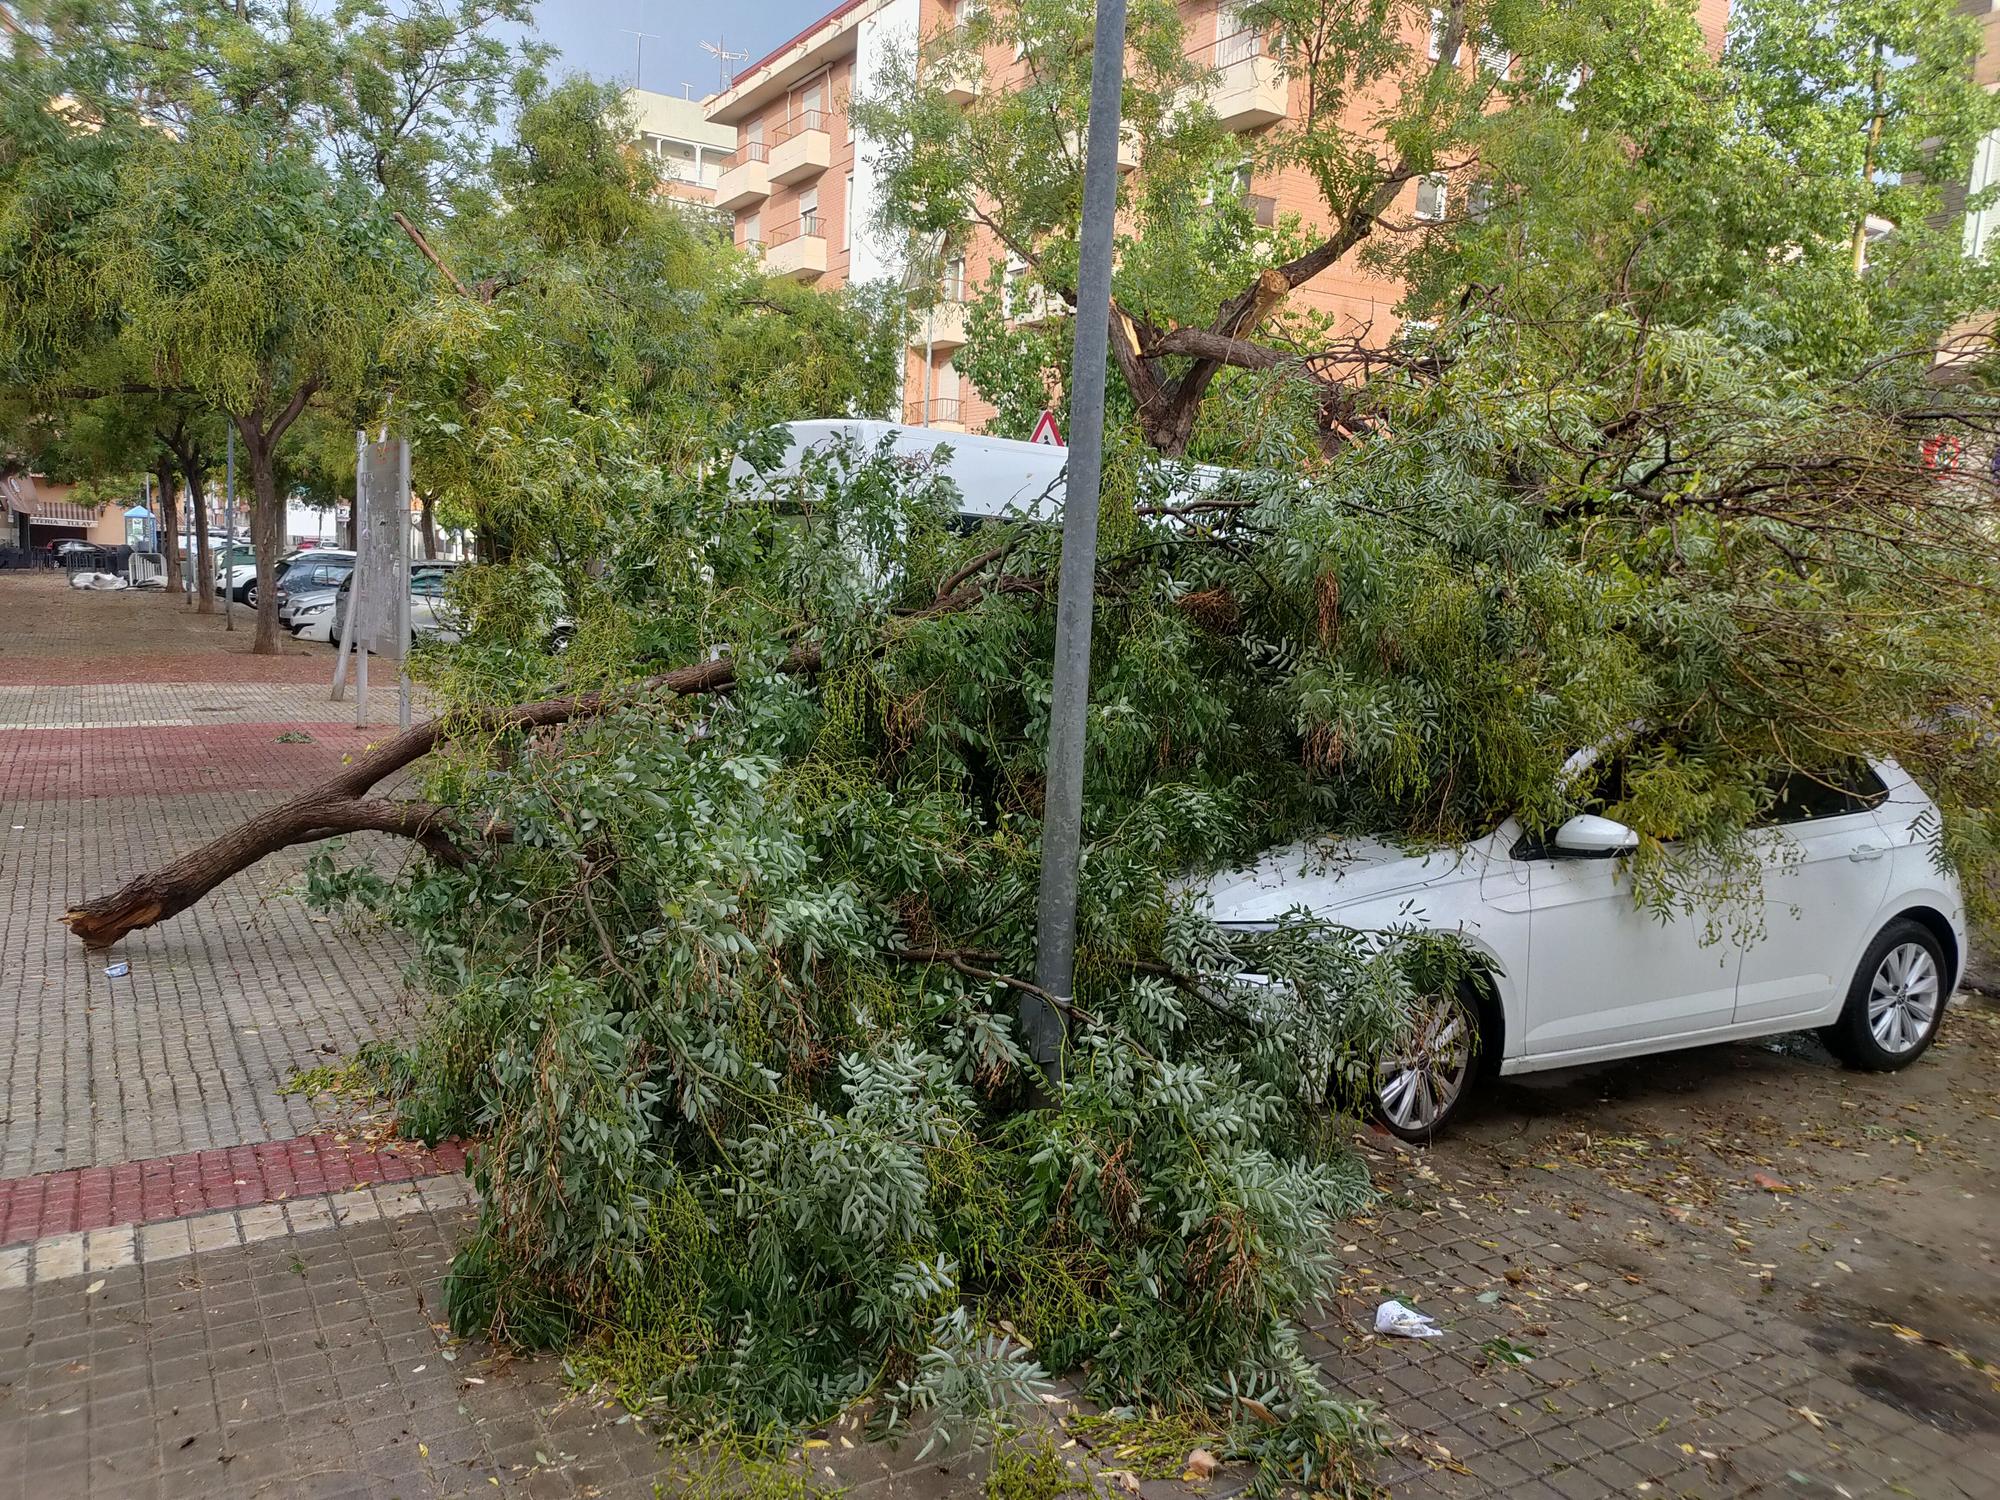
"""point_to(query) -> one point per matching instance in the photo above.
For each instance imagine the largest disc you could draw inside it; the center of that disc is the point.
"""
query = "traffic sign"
(1045, 430)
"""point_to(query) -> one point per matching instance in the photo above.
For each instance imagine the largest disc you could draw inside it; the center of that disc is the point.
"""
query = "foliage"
(1648, 176)
(731, 1008)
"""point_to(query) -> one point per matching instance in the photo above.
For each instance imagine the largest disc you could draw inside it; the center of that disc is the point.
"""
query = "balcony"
(804, 149)
(1128, 147)
(942, 327)
(797, 250)
(1263, 209)
(1251, 88)
(945, 412)
(960, 79)
(1033, 306)
(746, 178)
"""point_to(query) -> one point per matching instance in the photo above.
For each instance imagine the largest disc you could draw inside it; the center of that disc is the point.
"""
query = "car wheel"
(1421, 1084)
(250, 595)
(1896, 1002)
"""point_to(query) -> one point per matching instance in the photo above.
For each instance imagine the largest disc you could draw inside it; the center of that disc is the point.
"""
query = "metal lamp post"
(1044, 1020)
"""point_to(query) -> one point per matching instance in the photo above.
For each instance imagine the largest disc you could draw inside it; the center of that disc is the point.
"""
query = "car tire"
(1895, 1003)
(249, 596)
(1418, 1090)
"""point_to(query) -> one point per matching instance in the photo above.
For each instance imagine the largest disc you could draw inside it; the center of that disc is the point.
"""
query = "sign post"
(1045, 1019)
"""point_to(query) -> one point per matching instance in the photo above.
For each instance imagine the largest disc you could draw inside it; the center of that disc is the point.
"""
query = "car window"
(1799, 796)
(429, 585)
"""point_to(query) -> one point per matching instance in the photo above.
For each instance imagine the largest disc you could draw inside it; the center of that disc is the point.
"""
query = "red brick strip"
(172, 1187)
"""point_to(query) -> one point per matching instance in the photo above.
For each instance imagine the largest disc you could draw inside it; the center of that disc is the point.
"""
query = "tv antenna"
(639, 61)
(718, 50)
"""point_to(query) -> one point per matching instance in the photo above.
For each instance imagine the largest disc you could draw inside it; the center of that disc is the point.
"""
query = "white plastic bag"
(1405, 1322)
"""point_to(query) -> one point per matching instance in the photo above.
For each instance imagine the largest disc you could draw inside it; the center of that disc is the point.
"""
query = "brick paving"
(172, 1187)
(1732, 1272)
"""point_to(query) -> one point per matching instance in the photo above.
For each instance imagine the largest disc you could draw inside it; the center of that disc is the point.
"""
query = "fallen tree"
(341, 804)
(725, 981)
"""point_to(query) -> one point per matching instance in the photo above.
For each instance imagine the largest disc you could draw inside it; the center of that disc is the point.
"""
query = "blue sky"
(594, 36)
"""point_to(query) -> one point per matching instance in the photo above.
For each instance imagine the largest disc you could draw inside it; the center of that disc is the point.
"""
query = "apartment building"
(802, 188)
(687, 148)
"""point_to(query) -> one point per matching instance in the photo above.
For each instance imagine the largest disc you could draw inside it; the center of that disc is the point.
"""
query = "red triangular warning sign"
(1045, 431)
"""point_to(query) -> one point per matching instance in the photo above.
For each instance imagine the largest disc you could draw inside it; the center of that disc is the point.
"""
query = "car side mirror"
(1590, 837)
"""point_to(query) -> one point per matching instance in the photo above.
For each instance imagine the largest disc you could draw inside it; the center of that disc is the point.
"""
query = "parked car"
(311, 615)
(315, 571)
(431, 614)
(1862, 938)
(236, 573)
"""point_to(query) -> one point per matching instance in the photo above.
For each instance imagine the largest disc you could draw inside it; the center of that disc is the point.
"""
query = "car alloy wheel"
(1419, 1082)
(1903, 998)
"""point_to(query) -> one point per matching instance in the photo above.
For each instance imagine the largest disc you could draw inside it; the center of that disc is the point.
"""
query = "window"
(753, 133)
(1431, 194)
(1979, 223)
(1801, 796)
(847, 215)
(1235, 39)
(1494, 57)
(1479, 201)
(1018, 298)
(1239, 179)
(809, 211)
(1436, 46)
(809, 98)
(953, 289)
(753, 229)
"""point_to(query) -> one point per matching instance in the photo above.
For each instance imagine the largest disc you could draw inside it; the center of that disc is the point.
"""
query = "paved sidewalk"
(1734, 1272)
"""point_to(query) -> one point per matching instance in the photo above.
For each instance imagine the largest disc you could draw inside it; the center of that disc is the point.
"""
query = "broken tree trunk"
(341, 804)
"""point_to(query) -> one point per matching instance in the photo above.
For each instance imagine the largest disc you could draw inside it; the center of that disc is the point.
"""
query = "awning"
(25, 498)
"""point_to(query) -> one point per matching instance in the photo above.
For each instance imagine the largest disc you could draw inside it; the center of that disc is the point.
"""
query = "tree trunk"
(430, 525)
(354, 518)
(340, 804)
(170, 535)
(1860, 247)
(204, 559)
(267, 529)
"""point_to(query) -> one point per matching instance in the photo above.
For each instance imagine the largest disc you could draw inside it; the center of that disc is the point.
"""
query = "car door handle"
(1865, 851)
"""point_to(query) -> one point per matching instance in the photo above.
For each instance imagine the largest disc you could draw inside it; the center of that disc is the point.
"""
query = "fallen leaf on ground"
(1201, 1464)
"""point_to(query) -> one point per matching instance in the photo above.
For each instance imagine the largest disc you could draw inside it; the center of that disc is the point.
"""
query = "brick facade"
(807, 82)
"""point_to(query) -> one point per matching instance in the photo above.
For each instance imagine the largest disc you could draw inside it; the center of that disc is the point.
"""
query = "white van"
(995, 476)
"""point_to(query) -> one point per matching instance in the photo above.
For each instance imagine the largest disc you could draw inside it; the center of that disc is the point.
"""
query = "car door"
(1606, 972)
(1826, 871)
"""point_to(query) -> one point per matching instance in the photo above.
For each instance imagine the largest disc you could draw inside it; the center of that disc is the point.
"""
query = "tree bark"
(196, 475)
(267, 524)
(429, 524)
(267, 510)
(341, 804)
(170, 537)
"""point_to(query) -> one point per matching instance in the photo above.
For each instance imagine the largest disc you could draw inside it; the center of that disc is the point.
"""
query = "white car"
(312, 615)
(1863, 938)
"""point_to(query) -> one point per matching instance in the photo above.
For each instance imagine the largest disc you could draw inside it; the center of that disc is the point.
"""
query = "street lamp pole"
(1044, 1020)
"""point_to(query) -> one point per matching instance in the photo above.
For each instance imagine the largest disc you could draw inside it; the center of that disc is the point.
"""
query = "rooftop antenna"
(718, 50)
(639, 62)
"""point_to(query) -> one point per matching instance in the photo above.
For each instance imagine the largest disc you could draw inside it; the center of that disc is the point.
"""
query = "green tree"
(220, 182)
